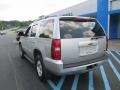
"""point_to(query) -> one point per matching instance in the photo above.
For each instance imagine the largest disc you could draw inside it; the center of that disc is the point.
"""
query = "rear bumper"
(57, 67)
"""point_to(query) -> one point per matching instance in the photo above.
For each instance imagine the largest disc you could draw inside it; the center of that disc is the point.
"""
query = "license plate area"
(88, 50)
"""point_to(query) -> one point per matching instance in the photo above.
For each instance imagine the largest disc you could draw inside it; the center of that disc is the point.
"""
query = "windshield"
(80, 29)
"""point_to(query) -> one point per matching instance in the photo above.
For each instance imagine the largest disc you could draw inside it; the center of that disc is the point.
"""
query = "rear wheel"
(40, 68)
(21, 51)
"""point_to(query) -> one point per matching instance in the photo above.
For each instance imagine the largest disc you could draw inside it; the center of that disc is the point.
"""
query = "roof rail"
(43, 17)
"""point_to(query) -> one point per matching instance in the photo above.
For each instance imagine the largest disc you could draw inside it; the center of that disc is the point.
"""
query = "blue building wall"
(102, 13)
(113, 27)
(115, 12)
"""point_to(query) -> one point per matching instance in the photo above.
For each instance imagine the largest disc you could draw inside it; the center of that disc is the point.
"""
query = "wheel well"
(36, 51)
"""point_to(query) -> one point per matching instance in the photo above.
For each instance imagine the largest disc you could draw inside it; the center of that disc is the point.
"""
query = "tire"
(21, 52)
(40, 68)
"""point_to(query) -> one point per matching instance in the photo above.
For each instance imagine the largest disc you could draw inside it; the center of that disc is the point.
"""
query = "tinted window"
(46, 29)
(80, 29)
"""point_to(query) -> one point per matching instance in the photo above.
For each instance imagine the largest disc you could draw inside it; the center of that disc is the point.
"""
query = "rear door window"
(80, 29)
(34, 30)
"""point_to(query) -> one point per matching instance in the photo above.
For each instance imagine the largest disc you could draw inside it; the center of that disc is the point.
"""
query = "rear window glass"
(46, 29)
(80, 29)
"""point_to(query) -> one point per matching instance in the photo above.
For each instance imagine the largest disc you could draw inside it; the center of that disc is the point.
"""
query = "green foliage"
(10, 24)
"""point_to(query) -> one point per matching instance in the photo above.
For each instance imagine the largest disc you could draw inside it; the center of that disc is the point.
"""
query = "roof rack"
(43, 17)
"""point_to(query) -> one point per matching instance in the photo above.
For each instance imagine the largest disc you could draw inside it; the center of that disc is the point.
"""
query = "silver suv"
(64, 45)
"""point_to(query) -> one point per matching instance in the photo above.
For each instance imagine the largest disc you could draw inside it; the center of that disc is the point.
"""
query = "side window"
(27, 31)
(33, 31)
(46, 29)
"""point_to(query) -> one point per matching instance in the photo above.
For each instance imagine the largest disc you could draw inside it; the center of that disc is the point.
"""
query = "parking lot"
(19, 74)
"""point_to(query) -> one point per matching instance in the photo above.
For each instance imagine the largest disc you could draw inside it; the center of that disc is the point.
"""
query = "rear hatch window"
(80, 28)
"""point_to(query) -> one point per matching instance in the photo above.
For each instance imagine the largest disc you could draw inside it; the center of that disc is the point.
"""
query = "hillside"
(11, 24)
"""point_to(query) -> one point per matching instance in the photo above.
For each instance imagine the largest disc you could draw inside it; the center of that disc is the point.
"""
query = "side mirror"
(21, 33)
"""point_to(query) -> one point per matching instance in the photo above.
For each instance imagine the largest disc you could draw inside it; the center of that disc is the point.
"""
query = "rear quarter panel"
(44, 45)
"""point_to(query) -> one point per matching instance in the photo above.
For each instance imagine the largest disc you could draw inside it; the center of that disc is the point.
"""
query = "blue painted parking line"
(114, 69)
(118, 53)
(114, 57)
(51, 84)
(91, 87)
(106, 82)
(75, 82)
(59, 85)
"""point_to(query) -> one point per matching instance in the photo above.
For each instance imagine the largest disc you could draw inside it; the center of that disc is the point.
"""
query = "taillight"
(106, 43)
(56, 49)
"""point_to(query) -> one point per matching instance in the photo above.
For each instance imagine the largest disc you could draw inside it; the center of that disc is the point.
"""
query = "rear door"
(32, 40)
(82, 40)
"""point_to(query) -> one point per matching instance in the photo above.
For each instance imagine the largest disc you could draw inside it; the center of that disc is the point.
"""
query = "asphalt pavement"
(19, 74)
